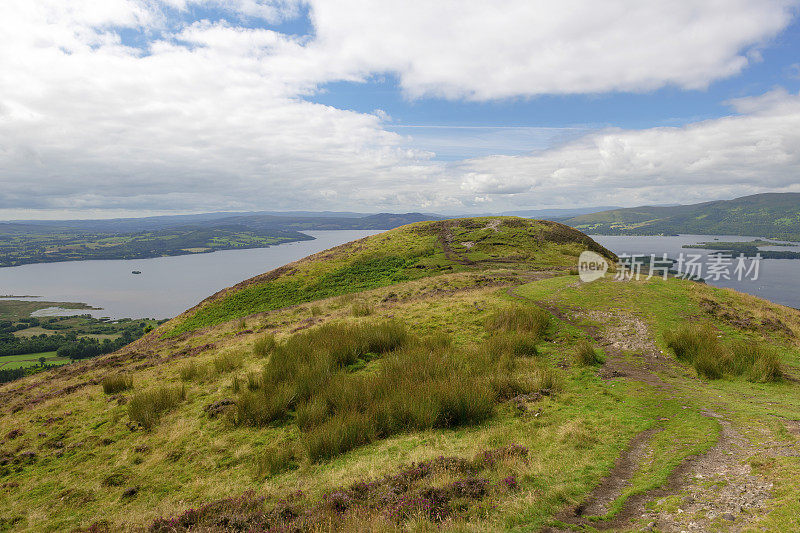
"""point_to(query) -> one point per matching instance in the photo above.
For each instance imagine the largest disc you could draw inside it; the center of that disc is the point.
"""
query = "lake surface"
(167, 286)
(778, 279)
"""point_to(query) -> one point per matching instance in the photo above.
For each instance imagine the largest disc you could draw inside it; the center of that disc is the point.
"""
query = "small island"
(748, 248)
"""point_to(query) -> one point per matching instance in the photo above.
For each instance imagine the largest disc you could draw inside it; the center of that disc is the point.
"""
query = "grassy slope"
(86, 455)
(411, 252)
(763, 215)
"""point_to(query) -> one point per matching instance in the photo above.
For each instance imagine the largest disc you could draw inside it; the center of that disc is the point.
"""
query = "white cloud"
(735, 155)
(210, 116)
(484, 50)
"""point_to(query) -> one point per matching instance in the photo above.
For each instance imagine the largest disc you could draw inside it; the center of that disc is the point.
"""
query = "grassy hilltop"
(450, 374)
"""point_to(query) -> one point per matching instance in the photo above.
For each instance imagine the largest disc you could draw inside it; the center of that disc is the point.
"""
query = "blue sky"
(131, 107)
(528, 118)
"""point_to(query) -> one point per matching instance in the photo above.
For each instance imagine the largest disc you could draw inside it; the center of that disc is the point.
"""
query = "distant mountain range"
(557, 214)
(347, 220)
(773, 215)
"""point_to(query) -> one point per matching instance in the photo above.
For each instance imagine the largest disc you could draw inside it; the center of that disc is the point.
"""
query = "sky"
(140, 107)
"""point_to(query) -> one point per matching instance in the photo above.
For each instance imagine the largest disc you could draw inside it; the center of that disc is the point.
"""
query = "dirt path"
(715, 490)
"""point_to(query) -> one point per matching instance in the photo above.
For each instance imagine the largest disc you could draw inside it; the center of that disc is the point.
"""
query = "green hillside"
(773, 215)
(450, 375)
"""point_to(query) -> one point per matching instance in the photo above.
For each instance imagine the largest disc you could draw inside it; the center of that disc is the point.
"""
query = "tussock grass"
(712, 358)
(264, 345)
(757, 361)
(301, 366)
(117, 383)
(227, 361)
(273, 460)
(146, 407)
(259, 408)
(222, 363)
(517, 344)
(361, 309)
(419, 384)
(531, 320)
(586, 354)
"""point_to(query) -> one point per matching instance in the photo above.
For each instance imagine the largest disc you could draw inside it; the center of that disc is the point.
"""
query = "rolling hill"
(451, 375)
(772, 215)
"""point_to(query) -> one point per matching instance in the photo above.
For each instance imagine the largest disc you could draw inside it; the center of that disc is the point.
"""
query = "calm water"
(167, 286)
(778, 280)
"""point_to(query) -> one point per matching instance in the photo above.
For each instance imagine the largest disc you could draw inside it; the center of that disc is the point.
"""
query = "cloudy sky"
(125, 107)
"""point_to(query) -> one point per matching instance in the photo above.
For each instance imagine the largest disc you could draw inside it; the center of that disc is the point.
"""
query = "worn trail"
(714, 490)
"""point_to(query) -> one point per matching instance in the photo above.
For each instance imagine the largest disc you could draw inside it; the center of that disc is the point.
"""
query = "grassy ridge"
(407, 253)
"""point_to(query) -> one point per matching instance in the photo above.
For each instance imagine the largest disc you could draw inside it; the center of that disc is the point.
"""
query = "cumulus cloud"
(211, 115)
(485, 50)
(739, 154)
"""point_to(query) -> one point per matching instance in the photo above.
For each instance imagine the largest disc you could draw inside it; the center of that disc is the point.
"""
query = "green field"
(16, 309)
(32, 359)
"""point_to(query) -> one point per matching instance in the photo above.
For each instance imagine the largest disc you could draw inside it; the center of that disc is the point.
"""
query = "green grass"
(712, 358)
(350, 400)
(31, 359)
(264, 345)
(531, 320)
(586, 354)
(117, 383)
(147, 407)
(16, 309)
(406, 253)
(418, 384)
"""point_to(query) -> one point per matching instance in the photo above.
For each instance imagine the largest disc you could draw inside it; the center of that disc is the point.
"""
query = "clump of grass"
(338, 435)
(415, 388)
(517, 344)
(257, 408)
(360, 309)
(222, 363)
(117, 383)
(758, 362)
(191, 371)
(700, 347)
(227, 361)
(274, 460)
(419, 384)
(587, 355)
(264, 345)
(531, 320)
(147, 407)
(316, 310)
(712, 358)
